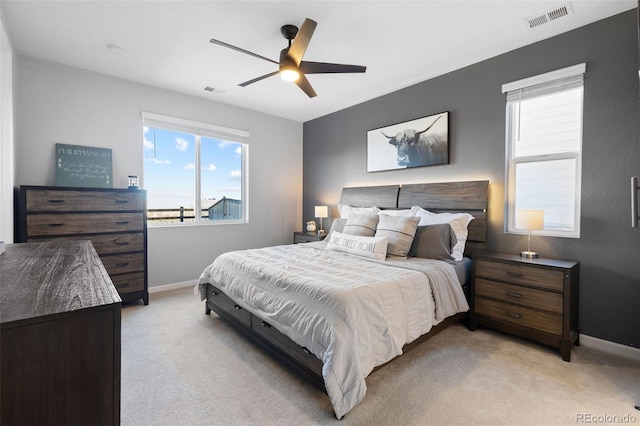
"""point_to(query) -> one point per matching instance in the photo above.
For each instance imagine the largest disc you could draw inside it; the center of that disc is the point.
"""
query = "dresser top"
(40, 279)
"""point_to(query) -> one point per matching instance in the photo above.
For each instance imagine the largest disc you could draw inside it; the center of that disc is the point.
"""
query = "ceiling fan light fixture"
(289, 74)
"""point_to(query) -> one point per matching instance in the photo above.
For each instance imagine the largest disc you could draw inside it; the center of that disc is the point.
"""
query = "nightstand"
(532, 298)
(306, 237)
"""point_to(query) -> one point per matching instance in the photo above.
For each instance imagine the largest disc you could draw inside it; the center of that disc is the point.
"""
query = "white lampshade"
(322, 211)
(530, 219)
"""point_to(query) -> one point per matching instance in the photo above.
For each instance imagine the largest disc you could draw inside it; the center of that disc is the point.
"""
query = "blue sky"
(169, 168)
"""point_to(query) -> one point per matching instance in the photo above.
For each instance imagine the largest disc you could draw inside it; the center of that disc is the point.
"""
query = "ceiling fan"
(291, 66)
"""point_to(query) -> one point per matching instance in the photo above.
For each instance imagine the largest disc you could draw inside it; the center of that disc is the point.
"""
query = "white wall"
(60, 104)
(7, 176)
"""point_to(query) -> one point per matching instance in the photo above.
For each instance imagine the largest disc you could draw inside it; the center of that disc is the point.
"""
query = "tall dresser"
(115, 220)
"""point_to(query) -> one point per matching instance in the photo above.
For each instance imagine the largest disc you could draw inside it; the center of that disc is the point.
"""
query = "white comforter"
(352, 313)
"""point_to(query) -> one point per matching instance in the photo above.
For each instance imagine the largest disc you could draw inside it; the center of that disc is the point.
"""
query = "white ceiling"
(167, 42)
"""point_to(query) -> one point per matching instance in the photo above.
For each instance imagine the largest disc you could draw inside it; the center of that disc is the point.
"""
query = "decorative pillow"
(406, 213)
(361, 224)
(370, 247)
(400, 231)
(458, 222)
(336, 226)
(434, 242)
(346, 210)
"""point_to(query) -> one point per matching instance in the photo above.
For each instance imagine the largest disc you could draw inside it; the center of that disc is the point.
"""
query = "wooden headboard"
(456, 197)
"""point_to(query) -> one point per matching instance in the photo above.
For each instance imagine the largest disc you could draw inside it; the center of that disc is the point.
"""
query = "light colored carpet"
(182, 367)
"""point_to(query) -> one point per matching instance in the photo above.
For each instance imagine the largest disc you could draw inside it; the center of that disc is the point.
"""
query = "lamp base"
(529, 254)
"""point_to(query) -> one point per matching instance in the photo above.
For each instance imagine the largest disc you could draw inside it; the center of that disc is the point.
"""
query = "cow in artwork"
(420, 148)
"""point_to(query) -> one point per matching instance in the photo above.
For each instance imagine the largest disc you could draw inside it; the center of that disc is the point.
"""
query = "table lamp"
(321, 211)
(530, 220)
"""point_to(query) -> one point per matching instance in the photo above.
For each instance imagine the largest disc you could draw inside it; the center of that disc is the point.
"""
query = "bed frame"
(469, 196)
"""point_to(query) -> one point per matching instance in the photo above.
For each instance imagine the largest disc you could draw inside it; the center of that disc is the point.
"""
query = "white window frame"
(199, 129)
(551, 82)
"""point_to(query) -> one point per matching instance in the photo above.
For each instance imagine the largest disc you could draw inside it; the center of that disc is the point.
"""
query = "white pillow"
(404, 213)
(458, 222)
(370, 247)
(400, 231)
(346, 210)
(363, 225)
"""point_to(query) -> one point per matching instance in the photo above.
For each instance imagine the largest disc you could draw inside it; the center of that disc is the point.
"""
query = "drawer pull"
(514, 274)
(55, 201)
(215, 293)
(122, 264)
(123, 285)
(122, 201)
(265, 324)
(237, 307)
(512, 315)
(53, 225)
(122, 243)
(306, 351)
(122, 222)
(518, 295)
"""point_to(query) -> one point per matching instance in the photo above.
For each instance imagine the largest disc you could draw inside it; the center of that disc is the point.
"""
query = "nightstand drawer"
(532, 298)
(307, 237)
(521, 274)
(526, 317)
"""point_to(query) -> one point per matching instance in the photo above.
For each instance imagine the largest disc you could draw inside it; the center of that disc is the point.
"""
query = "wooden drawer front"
(107, 243)
(58, 200)
(226, 304)
(526, 317)
(270, 334)
(305, 238)
(129, 282)
(521, 274)
(537, 299)
(123, 263)
(65, 224)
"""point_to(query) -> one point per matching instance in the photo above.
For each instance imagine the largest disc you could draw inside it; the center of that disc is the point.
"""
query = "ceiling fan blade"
(262, 77)
(301, 42)
(328, 68)
(304, 84)
(230, 46)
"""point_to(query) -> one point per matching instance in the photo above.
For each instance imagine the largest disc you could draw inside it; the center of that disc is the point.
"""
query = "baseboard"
(611, 347)
(173, 286)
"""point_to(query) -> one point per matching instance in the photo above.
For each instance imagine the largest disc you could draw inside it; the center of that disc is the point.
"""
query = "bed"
(335, 316)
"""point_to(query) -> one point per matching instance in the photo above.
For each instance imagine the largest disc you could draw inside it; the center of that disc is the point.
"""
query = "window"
(544, 150)
(194, 172)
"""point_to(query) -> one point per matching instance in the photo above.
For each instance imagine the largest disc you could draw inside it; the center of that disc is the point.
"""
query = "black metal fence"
(180, 214)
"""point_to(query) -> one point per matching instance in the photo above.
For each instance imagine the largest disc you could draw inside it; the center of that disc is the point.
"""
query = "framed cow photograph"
(416, 143)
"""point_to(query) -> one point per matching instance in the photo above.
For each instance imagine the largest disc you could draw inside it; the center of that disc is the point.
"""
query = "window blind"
(195, 127)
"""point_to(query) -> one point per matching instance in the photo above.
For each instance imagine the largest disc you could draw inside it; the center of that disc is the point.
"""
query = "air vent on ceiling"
(549, 16)
(215, 90)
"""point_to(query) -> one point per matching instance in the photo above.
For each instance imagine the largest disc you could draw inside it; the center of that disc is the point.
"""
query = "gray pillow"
(400, 230)
(361, 224)
(434, 242)
(336, 226)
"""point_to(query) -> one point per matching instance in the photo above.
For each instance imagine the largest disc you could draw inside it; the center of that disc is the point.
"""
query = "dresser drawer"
(526, 317)
(226, 304)
(530, 297)
(270, 334)
(39, 225)
(107, 243)
(129, 283)
(123, 263)
(521, 274)
(66, 200)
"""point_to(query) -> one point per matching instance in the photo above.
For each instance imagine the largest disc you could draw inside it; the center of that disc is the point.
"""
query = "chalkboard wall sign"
(83, 166)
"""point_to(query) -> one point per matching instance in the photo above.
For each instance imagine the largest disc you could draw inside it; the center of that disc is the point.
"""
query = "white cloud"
(190, 166)
(156, 161)
(224, 144)
(211, 167)
(181, 144)
(239, 150)
(235, 175)
(148, 144)
(145, 129)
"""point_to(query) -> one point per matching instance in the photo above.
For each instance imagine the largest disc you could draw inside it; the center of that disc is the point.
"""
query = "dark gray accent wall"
(609, 249)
